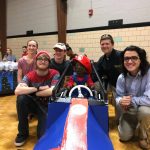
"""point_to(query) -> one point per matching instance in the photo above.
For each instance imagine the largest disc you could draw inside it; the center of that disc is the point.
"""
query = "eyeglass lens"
(42, 59)
(132, 58)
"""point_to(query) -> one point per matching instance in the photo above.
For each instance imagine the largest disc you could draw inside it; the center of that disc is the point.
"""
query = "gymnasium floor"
(8, 128)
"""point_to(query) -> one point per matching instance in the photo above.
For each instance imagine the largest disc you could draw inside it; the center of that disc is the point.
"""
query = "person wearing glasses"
(33, 94)
(58, 62)
(133, 91)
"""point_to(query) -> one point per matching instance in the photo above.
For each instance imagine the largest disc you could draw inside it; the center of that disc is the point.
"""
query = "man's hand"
(22, 85)
(125, 102)
(23, 88)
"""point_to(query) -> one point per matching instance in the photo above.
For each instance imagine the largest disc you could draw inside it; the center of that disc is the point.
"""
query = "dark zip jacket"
(110, 67)
(61, 67)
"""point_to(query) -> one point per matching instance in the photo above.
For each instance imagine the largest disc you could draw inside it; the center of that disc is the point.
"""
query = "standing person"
(33, 95)
(24, 51)
(58, 62)
(70, 52)
(109, 65)
(9, 56)
(27, 63)
(133, 91)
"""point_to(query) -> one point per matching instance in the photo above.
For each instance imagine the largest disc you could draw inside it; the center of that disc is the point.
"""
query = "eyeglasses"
(45, 59)
(132, 58)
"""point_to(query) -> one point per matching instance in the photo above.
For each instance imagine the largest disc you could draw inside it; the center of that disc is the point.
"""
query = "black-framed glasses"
(45, 59)
(132, 58)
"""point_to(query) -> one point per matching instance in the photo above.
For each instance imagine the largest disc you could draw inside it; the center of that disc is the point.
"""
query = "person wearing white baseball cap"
(61, 46)
(58, 62)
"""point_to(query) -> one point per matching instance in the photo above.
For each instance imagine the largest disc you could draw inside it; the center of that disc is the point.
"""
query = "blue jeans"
(26, 104)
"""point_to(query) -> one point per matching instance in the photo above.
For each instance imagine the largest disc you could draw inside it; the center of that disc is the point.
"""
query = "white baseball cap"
(60, 46)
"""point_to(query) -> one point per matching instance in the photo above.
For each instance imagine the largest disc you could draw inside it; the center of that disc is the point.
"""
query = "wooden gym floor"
(8, 128)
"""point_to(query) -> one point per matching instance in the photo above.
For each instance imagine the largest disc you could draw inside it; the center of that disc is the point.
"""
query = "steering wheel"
(81, 90)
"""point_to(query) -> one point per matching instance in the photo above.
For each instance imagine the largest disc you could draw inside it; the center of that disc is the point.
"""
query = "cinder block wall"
(88, 42)
(44, 42)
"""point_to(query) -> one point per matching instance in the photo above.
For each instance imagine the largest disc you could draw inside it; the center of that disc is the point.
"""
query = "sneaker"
(144, 144)
(20, 140)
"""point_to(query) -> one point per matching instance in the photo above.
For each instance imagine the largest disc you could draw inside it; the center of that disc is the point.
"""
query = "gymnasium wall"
(83, 32)
(26, 15)
(88, 42)
(41, 15)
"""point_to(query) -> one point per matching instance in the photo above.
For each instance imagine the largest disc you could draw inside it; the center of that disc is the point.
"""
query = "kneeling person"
(133, 92)
(33, 93)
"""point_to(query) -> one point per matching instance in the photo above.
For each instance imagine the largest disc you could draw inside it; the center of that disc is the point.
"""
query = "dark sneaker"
(144, 144)
(20, 140)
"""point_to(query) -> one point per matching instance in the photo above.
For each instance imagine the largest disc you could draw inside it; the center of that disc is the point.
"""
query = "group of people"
(9, 56)
(37, 76)
(126, 72)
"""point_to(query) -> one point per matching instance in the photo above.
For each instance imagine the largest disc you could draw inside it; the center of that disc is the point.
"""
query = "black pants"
(25, 105)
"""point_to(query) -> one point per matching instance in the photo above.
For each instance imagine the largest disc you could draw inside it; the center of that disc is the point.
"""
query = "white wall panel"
(36, 15)
(131, 11)
(41, 15)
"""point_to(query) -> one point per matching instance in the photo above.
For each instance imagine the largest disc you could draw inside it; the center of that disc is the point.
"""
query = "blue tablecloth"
(8, 82)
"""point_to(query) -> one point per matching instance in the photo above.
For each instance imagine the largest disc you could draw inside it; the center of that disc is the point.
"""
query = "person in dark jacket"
(58, 62)
(109, 65)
